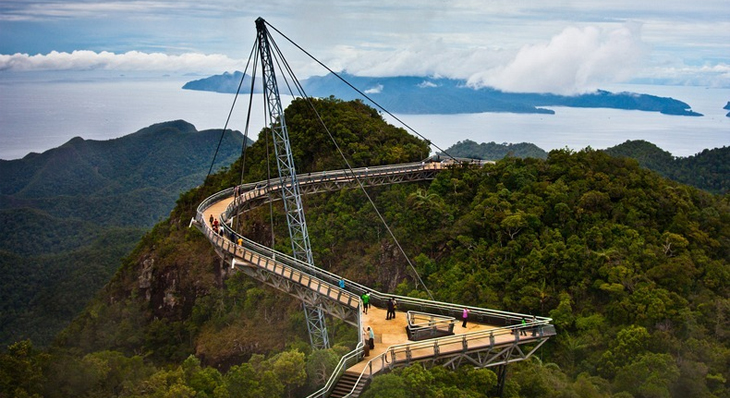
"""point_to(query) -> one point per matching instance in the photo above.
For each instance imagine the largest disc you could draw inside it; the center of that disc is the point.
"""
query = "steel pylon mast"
(301, 247)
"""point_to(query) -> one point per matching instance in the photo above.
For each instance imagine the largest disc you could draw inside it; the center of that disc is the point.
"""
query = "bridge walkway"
(491, 337)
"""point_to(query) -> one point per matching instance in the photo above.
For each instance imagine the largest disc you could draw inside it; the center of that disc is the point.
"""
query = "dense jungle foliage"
(633, 268)
(72, 213)
(493, 151)
(708, 170)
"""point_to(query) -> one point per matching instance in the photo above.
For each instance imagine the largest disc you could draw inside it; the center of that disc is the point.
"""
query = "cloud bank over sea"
(576, 60)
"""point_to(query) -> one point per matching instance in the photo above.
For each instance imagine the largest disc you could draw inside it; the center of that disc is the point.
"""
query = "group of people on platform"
(216, 225)
(391, 306)
(218, 229)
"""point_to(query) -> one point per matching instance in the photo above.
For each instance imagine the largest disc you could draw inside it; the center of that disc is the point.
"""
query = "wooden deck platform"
(393, 332)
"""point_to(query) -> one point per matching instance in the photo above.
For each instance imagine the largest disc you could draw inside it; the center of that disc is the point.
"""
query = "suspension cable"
(230, 112)
(248, 114)
(359, 91)
(246, 129)
(349, 167)
(268, 184)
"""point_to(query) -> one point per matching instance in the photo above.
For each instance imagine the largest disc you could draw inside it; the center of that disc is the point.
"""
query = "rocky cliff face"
(174, 297)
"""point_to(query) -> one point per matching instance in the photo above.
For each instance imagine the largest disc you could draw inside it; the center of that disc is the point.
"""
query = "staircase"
(345, 384)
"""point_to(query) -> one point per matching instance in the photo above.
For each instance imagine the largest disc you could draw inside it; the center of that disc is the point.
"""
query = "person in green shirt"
(365, 302)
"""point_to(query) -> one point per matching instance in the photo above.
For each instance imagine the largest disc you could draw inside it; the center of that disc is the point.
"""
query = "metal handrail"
(376, 297)
(345, 362)
(411, 316)
(464, 339)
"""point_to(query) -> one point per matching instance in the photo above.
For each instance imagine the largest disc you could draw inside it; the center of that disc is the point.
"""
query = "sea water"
(598, 128)
(40, 114)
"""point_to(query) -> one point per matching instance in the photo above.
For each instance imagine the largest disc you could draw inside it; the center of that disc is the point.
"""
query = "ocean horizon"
(40, 114)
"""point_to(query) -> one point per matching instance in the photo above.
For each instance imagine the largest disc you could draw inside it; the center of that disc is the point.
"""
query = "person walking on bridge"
(390, 314)
(365, 302)
(464, 316)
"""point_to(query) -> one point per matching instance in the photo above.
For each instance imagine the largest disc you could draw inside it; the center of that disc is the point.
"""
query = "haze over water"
(37, 115)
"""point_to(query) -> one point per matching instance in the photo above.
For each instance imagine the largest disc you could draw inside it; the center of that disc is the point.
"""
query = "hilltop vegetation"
(73, 212)
(493, 151)
(633, 268)
(708, 170)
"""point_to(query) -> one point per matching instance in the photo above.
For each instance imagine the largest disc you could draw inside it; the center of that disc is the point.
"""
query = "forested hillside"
(709, 169)
(71, 213)
(493, 151)
(633, 268)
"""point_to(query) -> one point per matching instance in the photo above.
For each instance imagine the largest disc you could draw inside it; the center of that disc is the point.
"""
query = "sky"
(558, 46)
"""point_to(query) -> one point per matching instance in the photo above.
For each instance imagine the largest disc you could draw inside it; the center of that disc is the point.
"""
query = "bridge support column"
(316, 326)
(501, 378)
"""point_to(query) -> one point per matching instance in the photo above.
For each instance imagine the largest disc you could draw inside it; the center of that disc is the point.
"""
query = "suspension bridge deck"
(491, 337)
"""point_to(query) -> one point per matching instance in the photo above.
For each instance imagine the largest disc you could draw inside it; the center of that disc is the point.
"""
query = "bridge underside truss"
(304, 293)
(483, 357)
(490, 356)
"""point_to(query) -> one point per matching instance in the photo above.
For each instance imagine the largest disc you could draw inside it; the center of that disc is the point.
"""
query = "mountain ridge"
(82, 206)
(707, 170)
(631, 266)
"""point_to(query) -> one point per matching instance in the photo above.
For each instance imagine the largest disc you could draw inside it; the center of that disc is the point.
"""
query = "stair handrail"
(434, 321)
(344, 363)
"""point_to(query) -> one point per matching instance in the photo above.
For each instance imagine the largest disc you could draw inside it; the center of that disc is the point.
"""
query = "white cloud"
(129, 61)
(44, 10)
(375, 90)
(717, 76)
(576, 60)
(427, 84)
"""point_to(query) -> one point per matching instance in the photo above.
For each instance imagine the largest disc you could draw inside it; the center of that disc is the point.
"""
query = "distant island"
(493, 151)
(429, 95)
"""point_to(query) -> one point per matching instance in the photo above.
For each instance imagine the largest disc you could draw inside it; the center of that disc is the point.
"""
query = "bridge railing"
(364, 174)
(489, 316)
(406, 353)
(348, 360)
(368, 171)
(422, 325)
(506, 322)
(280, 264)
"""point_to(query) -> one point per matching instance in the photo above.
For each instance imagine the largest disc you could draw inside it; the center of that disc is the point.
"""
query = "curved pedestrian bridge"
(490, 338)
